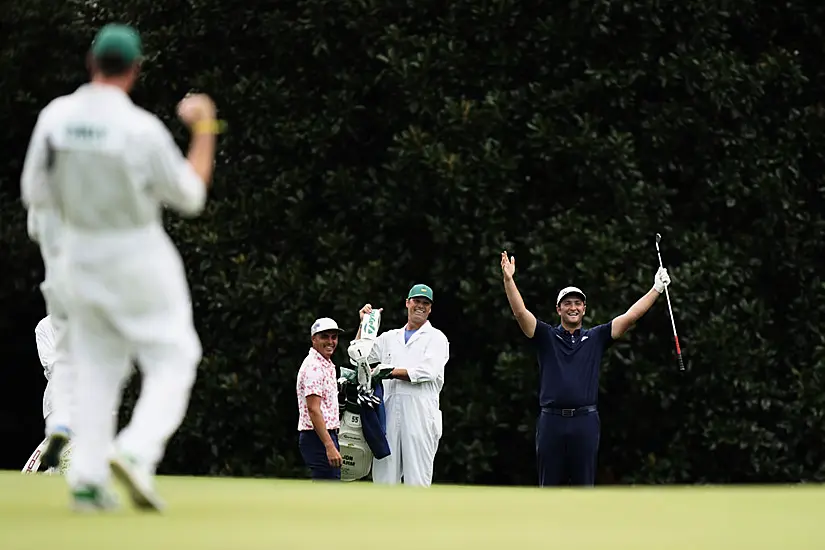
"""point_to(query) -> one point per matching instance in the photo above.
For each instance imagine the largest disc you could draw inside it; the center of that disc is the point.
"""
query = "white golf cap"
(569, 290)
(322, 324)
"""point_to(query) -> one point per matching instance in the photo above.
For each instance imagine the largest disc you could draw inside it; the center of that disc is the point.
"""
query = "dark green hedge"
(375, 144)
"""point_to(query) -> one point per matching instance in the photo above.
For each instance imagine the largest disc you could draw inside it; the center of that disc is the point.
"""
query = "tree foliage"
(374, 144)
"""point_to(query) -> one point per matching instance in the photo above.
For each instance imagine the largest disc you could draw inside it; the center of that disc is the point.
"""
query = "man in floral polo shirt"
(317, 390)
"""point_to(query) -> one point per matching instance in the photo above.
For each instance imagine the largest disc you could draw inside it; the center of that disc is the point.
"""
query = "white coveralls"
(45, 336)
(109, 167)
(51, 336)
(414, 424)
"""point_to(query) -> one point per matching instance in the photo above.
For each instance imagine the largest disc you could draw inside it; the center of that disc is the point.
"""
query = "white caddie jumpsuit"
(414, 424)
(43, 226)
(108, 167)
(44, 337)
(57, 396)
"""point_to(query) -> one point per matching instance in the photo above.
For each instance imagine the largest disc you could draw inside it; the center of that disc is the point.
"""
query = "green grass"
(238, 514)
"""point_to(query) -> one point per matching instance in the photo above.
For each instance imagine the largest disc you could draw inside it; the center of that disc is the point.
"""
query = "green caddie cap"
(421, 291)
(118, 39)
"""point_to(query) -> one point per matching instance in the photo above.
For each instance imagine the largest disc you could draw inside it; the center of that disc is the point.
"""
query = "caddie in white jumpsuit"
(44, 228)
(56, 400)
(418, 353)
(44, 337)
(54, 404)
(109, 167)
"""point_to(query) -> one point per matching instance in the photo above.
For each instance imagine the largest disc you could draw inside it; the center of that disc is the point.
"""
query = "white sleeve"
(44, 337)
(436, 355)
(174, 181)
(377, 350)
(34, 185)
(31, 225)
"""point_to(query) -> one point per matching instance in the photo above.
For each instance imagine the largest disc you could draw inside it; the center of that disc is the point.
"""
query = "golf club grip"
(679, 353)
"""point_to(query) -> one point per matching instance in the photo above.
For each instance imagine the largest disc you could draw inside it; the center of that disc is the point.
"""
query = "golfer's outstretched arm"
(526, 320)
(627, 319)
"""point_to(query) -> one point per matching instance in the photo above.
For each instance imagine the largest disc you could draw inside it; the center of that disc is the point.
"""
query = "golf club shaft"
(670, 311)
(675, 336)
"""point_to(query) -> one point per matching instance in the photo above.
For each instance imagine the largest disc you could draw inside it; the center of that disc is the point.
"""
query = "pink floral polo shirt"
(317, 377)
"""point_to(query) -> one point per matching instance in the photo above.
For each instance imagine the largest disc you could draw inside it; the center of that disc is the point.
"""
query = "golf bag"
(362, 435)
(355, 452)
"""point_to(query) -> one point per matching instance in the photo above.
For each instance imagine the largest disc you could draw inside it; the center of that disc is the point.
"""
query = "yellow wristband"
(209, 127)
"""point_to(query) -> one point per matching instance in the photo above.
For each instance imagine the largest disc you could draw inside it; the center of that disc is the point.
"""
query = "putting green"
(247, 514)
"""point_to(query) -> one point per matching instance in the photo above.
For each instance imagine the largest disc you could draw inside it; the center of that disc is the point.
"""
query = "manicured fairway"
(238, 514)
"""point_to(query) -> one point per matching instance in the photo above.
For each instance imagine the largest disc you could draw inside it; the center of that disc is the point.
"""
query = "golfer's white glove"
(661, 280)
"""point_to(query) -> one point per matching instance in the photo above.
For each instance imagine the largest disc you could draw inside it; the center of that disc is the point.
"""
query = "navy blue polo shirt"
(569, 364)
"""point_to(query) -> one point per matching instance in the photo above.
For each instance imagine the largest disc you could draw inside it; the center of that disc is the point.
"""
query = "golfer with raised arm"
(569, 358)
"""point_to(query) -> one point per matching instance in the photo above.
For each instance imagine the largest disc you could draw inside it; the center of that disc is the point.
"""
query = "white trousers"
(413, 431)
(103, 360)
(124, 308)
(62, 376)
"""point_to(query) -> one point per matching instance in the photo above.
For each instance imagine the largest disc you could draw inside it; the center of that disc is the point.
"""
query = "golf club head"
(658, 238)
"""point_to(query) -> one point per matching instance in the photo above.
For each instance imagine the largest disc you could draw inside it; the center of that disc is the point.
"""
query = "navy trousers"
(566, 449)
(315, 454)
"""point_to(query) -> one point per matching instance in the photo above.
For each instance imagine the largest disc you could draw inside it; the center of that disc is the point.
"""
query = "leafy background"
(374, 144)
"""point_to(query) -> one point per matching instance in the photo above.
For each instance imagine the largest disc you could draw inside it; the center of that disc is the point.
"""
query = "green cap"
(421, 291)
(118, 39)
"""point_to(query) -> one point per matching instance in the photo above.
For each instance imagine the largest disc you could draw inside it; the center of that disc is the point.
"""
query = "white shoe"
(92, 498)
(138, 481)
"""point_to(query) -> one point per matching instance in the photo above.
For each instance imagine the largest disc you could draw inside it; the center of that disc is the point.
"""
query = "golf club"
(670, 309)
